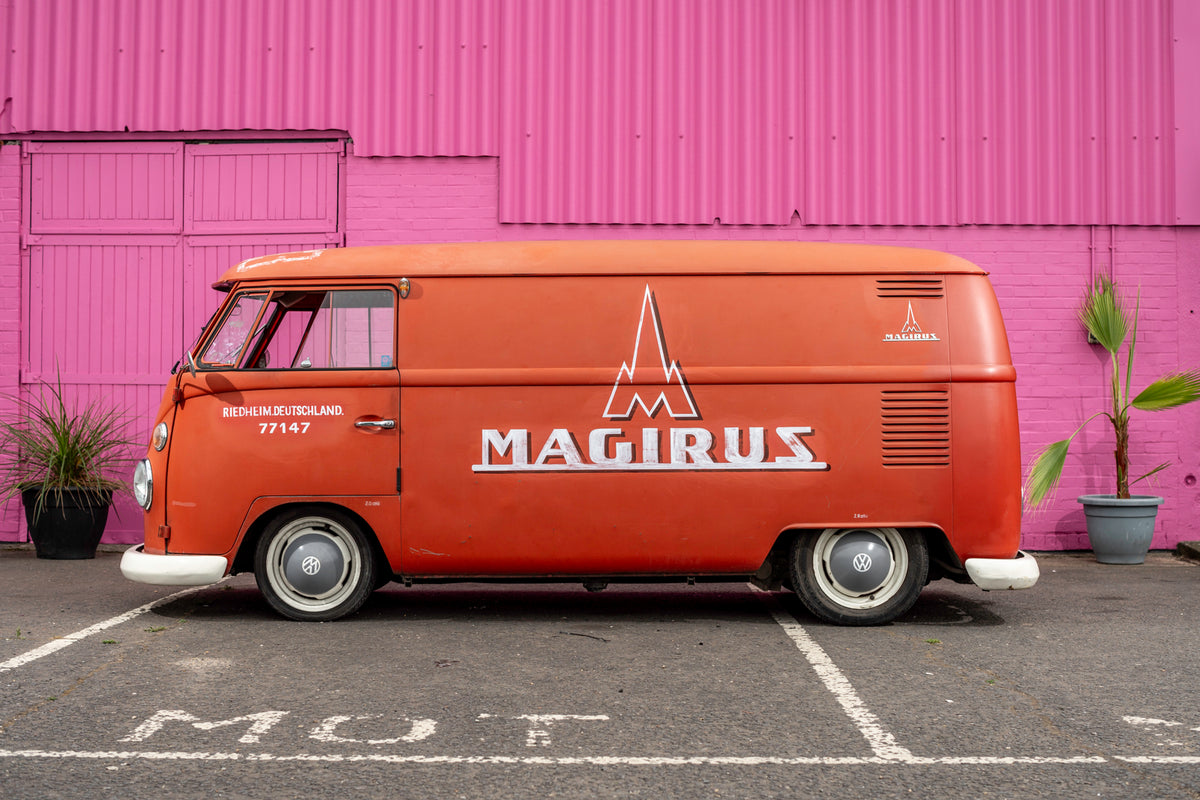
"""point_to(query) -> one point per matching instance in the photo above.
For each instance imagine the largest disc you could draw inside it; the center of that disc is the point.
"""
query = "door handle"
(386, 424)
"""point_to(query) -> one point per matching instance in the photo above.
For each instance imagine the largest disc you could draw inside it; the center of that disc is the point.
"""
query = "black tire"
(297, 548)
(859, 576)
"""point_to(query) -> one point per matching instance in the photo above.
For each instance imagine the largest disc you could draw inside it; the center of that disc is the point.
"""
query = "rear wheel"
(859, 576)
(315, 565)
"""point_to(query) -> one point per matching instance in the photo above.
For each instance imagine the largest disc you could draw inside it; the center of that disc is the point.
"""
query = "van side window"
(342, 329)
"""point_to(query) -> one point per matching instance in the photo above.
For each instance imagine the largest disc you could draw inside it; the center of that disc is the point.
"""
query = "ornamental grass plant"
(1104, 315)
(53, 446)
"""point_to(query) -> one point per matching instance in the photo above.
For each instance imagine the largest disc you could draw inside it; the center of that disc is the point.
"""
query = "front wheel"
(859, 576)
(314, 565)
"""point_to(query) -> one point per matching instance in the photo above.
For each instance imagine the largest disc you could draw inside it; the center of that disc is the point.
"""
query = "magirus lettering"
(647, 450)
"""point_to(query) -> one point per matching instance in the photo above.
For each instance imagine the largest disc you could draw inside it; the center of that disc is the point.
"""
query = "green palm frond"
(1170, 391)
(1103, 316)
(1046, 472)
(1154, 471)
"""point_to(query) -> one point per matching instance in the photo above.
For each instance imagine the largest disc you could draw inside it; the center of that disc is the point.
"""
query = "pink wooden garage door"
(124, 241)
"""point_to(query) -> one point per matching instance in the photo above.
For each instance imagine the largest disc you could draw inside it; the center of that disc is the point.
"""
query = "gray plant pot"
(1120, 530)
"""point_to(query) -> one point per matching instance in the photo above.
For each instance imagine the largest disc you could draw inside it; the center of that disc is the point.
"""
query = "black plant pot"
(71, 523)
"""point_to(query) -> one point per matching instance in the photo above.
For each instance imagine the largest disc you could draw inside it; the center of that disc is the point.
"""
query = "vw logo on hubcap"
(312, 565)
(862, 562)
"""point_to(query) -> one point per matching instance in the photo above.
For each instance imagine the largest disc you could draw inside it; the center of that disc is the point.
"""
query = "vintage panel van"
(837, 419)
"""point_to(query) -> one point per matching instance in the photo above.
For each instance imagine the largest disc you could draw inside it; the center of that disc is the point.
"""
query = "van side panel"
(701, 519)
(665, 424)
(713, 326)
(987, 471)
(987, 448)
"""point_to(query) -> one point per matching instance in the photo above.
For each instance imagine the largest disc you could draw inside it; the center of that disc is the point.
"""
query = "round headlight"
(158, 439)
(143, 483)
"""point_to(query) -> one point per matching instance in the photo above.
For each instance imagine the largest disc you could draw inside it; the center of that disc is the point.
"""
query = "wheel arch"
(243, 561)
(943, 561)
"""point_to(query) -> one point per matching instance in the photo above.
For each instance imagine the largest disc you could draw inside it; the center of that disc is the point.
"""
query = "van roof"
(600, 257)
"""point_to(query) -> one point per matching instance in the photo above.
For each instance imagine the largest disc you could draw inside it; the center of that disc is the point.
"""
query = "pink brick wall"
(1039, 274)
(10, 299)
(1185, 476)
(393, 200)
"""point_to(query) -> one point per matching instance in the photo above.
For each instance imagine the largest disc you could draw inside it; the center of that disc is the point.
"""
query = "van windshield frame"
(225, 341)
(310, 327)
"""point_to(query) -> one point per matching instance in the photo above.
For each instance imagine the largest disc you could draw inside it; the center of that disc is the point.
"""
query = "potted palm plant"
(61, 459)
(1120, 525)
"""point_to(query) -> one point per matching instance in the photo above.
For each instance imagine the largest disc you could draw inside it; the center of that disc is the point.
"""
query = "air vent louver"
(910, 288)
(916, 428)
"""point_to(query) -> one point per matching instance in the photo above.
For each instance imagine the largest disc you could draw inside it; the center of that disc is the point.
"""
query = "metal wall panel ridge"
(925, 112)
(634, 111)
(879, 87)
(1066, 112)
(405, 77)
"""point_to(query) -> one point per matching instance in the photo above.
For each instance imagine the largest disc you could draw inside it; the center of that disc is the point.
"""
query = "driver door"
(295, 397)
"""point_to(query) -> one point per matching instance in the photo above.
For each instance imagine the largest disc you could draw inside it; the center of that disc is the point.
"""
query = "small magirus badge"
(910, 331)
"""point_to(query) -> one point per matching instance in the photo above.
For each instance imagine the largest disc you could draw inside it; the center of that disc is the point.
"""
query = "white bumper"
(1003, 573)
(172, 570)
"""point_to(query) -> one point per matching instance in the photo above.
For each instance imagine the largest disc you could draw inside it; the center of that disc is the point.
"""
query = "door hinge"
(397, 480)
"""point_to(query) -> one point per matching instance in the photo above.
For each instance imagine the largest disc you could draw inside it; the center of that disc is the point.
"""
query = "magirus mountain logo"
(910, 331)
(650, 382)
(627, 397)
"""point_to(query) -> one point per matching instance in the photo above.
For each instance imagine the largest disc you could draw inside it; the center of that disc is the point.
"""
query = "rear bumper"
(1003, 573)
(172, 570)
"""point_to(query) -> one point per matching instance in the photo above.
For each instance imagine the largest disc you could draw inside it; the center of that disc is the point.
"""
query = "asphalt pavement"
(1080, 687)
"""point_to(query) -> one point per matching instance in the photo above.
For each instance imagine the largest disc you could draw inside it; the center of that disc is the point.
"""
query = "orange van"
(837, 419)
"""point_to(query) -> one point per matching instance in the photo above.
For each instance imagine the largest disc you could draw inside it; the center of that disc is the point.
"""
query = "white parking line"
(602, 761)
(66, 641)
(882, 743)
(628, 761)
(884, 747)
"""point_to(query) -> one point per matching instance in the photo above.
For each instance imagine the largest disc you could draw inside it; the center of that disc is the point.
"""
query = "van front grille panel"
(916, 428)
(911, 288)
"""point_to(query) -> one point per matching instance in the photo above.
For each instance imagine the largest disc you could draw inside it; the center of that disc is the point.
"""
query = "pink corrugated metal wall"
(849, 112)
(408, 78)
(1066, 112)
(917, 112)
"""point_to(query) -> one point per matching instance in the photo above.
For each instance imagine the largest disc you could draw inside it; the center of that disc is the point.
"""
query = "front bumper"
(172, 570)
(1003, 573)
